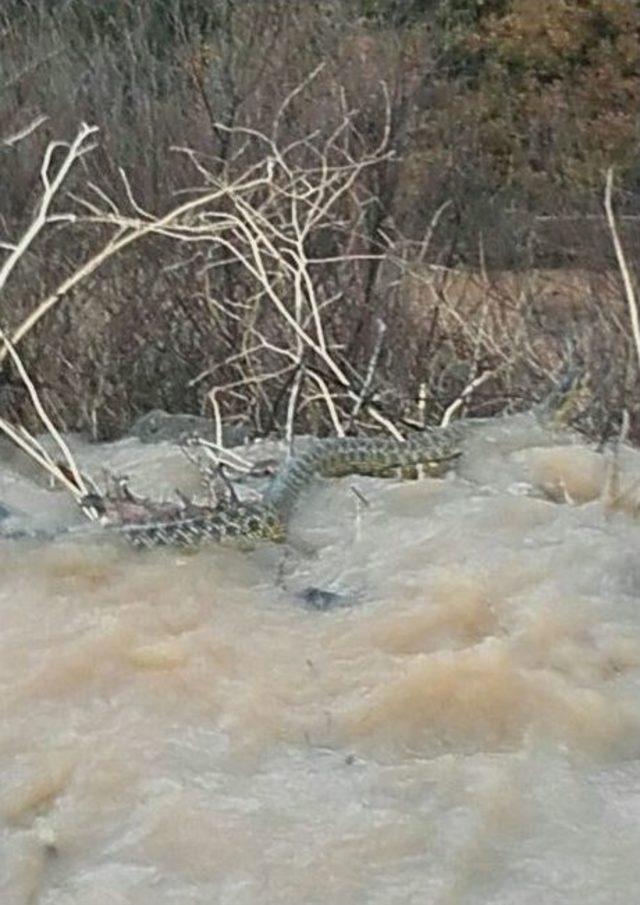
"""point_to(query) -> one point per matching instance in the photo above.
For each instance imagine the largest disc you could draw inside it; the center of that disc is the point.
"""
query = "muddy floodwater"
(461, 727)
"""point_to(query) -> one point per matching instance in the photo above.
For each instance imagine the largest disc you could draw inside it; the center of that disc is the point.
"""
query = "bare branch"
(81, 488)
(26, 131)
(625, 273)
(51, 186)
(464, 396)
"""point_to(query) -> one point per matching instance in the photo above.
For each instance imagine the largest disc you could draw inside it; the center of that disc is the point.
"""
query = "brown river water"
(463, 728)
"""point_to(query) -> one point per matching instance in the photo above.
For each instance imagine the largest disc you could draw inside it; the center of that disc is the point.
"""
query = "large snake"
(434, 449)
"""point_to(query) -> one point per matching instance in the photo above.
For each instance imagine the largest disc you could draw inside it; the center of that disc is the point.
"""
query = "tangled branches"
(277, 268)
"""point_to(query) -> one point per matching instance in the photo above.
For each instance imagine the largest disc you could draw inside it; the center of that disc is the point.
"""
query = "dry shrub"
(479, 243)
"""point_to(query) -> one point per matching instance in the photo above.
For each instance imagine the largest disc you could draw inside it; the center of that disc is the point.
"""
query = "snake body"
(267, 520)
(336, 457)
(434, 449)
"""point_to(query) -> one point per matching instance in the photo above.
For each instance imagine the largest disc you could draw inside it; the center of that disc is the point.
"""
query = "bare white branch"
(464, 396)
(625, 272)
(51, 188)
(26, 131)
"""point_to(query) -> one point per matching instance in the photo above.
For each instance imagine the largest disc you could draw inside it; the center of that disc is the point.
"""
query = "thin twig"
(291, 407)
(76, 149)
(373, 363)
(464, 396)
(26, 131)
(30, 449)
(625, 273)
(42, 414)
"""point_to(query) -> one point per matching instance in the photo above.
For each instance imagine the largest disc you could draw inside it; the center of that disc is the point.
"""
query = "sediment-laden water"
(462, 729)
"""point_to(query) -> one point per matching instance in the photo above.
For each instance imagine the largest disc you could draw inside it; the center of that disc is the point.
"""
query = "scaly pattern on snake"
(434, 449)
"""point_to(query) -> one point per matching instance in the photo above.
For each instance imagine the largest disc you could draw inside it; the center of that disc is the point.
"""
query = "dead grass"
(158, 327)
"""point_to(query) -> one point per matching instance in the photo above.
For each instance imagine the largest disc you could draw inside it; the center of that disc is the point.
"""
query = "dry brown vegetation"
(468, 247)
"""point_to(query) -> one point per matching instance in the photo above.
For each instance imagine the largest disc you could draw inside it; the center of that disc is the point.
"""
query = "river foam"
(464, 728)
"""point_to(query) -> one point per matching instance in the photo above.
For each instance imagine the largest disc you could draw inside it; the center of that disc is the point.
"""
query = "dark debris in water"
(322, 600)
